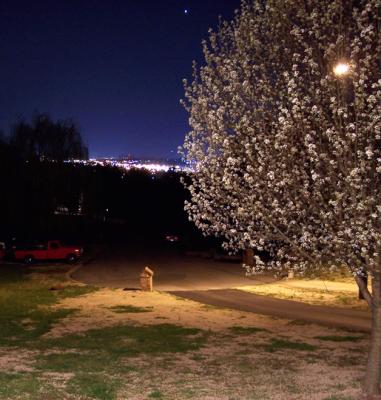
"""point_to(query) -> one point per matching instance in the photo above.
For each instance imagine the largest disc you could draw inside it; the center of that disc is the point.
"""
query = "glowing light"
(133, 164)
(341, 69)
(186, 11)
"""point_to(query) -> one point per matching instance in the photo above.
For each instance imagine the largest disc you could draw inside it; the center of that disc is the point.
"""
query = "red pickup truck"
(50, 250)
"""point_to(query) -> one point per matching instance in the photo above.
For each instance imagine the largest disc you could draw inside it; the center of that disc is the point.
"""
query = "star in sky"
(118, 62)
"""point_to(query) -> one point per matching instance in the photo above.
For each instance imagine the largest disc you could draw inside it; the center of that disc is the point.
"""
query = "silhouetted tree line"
(41, 195)
(87, 202)
(43, 138)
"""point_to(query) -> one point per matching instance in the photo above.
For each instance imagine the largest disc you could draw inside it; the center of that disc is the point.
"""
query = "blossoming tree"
(286, 140)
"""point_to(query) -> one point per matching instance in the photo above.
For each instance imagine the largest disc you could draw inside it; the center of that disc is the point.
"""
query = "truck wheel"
(28, 260)
(71, 258)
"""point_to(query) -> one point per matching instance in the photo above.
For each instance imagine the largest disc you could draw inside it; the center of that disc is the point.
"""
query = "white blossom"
(287, 154)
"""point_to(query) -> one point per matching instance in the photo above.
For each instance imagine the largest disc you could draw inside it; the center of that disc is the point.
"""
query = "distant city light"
(341, 69)
(127, 164)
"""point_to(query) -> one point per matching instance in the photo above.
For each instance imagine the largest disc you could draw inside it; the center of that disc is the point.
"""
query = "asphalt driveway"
(120, 267)
(209, 282)
(356, 320)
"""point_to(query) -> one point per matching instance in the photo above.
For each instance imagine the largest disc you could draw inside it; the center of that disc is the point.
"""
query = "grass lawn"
(59, 340)
(337, 293)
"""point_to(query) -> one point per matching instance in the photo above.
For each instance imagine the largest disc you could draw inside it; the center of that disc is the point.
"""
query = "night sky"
(115, 67)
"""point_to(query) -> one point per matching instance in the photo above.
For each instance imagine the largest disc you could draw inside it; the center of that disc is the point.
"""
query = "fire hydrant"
(146, 279)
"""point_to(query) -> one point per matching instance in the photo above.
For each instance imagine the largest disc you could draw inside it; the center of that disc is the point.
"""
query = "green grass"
(241, 330)
(101, 355)
(281, 344)
(155, 394)
(15, 332)
(188, 393)
(16, 385)
(198, 357)
(28, 386)
(11, 273)
(126, 340)
(346, 300)
(69, 362)
(130, 309)
(96, 386)
(98, 358)
(75, 291)
(208, 307)
(340, 338)
(99, 363)
(25, 313)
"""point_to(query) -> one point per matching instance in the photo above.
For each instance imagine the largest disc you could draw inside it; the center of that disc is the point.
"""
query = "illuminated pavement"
(209, 282)
(335, 317)
(120, 268)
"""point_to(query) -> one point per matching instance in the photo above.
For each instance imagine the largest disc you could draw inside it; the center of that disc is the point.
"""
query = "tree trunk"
(364, 278)
(373, 369)
(249, 257)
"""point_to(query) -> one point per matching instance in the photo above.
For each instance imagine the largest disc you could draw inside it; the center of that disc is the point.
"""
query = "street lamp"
(341, 69)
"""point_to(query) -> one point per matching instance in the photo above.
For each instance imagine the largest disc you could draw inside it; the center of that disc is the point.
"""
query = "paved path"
(120, 267)
(208, 282)
(355, 320)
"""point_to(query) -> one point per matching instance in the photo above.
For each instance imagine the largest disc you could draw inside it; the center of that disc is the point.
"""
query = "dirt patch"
(58, 380)
(16, 360)
(239, 369)
(243, 356)
(95, 311)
